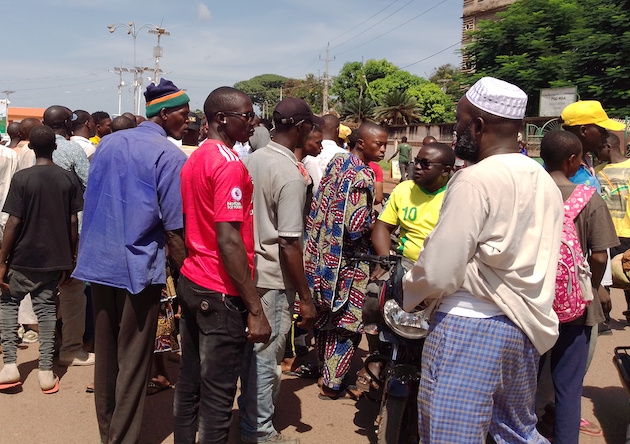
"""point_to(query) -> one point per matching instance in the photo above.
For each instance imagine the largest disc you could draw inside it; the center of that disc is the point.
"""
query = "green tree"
(357, 109)
(434, 104)
(310, 89)
(398, 108)
(263, 89)
(398, 80)
(451, 80)
(354, 77)
(540, 44)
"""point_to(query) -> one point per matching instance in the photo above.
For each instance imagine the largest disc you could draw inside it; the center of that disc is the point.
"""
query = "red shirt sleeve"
(378, 171)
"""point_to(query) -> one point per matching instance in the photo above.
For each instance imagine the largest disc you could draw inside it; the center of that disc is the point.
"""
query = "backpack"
(573, 277)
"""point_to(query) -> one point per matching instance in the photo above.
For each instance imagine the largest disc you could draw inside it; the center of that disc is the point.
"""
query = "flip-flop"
(343, 393)
(10, 385)
(153, 388)
(303, 371)
(53, 389)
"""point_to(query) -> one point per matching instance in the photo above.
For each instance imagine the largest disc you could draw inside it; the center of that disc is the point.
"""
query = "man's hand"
(258, 328)
(377, 273)
(308, 313)
(604, 299)
(3, 273)
(66, 277)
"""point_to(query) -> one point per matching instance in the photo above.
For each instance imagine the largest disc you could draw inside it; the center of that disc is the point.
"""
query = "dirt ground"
(28, 416)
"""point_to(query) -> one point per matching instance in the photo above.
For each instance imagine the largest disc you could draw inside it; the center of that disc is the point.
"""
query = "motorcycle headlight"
(408, 325)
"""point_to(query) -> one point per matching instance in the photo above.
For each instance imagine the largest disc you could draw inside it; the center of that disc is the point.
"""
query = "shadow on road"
(610, 406)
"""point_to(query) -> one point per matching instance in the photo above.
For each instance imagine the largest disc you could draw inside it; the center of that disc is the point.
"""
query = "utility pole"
(121, 83)
(133, 31)
(325, 98)
(8, 92)
(138, 73)
(157, 52)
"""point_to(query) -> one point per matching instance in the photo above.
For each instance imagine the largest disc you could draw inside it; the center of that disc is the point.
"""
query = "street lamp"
(133, 31)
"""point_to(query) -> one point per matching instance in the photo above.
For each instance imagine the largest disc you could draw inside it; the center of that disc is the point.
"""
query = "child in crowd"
(562, 154)
(37, 254)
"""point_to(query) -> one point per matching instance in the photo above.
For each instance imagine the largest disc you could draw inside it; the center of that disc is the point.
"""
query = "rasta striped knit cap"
(164, 95)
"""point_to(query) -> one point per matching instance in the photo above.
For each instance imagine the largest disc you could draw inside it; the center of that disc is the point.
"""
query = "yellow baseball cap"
(589, 112)
(344, 131)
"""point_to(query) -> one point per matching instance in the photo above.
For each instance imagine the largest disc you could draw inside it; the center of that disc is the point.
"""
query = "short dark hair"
(368, 126)
(403, 139)
(557, 146)
(614, 140)
(447, 155)
(352, 138)
(121, 123)
(82, 117)
(99, 116)
(42, 140)
(221, 99)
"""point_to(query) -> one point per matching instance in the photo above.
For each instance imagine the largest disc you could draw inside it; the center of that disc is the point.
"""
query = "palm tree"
(398, 108)
(357, 109)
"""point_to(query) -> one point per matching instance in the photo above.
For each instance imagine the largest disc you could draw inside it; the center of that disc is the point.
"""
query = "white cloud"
(203, 13)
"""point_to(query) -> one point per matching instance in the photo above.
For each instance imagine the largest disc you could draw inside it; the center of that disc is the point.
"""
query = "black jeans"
(213, 341)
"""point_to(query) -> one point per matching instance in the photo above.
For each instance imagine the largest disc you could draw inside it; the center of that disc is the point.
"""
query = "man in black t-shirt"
(37, 253)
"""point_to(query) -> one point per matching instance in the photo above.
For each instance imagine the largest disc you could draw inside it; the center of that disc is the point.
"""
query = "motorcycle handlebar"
(388, 260)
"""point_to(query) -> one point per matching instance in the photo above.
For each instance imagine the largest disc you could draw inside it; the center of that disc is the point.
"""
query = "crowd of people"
(121, 232)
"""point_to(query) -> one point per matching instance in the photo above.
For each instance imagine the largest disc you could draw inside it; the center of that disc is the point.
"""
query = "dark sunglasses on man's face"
(424, 163)
(250, 115)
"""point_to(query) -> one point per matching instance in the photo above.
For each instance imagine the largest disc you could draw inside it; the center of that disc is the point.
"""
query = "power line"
(317, 57)
(61, 86)
(380, 21)
(432, 55)
(364, 21)
(393, 29)
(79, 74)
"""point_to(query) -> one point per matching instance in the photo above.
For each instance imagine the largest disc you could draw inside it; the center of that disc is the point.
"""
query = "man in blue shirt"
(132, 210)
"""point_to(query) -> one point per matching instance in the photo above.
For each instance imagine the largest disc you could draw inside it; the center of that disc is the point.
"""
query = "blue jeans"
(260, 376)
(568, 367)
(213, 341)
(41, 285)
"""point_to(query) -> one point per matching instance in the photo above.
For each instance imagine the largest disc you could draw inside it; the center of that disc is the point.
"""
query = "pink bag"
(573, 278)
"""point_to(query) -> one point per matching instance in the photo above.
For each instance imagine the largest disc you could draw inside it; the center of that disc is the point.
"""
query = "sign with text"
(554, 100)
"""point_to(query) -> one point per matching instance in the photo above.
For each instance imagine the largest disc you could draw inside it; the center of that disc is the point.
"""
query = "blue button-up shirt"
(132, 199)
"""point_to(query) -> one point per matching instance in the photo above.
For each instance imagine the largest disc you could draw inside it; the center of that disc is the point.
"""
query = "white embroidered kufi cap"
(498, 97)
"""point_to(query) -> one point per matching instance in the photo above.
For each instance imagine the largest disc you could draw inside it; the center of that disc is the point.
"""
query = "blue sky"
(60, 51)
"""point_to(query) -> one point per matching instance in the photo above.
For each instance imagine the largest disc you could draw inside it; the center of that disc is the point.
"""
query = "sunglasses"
(425, 164)
(250, 115)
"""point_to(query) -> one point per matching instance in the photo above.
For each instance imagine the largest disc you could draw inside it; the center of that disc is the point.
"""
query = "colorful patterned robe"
(337, 228)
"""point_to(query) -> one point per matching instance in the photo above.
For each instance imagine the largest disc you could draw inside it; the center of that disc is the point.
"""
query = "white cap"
(498, 97)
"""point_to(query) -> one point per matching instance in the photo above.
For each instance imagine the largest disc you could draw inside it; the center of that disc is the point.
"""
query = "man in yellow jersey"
(414, 205)
(614, 179)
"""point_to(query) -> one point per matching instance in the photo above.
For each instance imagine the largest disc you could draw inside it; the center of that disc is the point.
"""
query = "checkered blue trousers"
(478, 377)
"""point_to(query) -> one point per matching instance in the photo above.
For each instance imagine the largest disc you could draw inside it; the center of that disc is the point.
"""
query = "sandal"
(303, 371)
(155, 387)
(347, 392)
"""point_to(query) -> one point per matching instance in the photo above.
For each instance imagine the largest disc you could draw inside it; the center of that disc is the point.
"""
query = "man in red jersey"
(221, 309)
